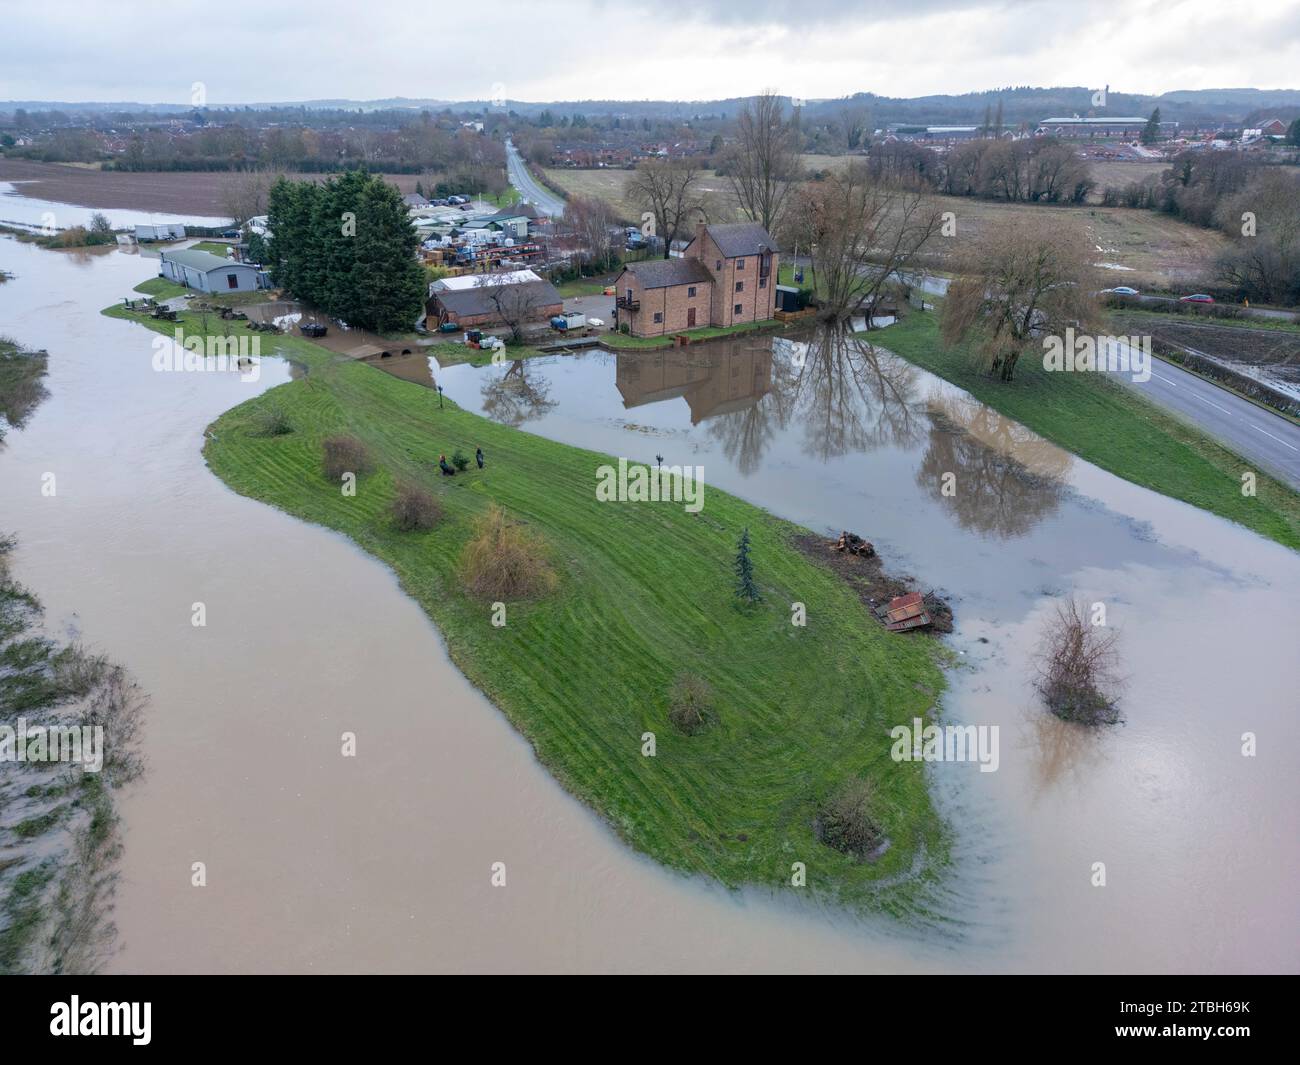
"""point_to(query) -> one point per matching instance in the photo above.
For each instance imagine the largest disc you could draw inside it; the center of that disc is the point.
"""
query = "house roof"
(523, 210)
(741, 238)
(665, 273)
(468, 302)
(502, 277)
(203, 261)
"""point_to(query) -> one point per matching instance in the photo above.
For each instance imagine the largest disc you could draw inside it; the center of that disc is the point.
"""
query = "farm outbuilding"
(206, 272)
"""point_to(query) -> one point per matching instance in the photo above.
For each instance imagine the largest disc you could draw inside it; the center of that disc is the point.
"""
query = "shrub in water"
(504, 560)
(1078, 668)
(345, 454)
(414, 509)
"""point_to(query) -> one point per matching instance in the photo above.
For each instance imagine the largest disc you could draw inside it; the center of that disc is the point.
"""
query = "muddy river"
(382, 862)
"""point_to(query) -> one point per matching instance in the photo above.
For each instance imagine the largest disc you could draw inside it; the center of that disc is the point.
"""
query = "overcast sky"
(271, 50)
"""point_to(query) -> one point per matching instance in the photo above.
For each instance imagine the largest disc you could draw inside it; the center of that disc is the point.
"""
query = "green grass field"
(646, 593)
(1112, 427)
(160, 288)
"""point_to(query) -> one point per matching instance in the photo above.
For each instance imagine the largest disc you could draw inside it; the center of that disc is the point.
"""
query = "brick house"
(726, 276)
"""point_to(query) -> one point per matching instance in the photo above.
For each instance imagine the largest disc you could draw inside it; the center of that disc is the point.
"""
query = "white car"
(1122, 290)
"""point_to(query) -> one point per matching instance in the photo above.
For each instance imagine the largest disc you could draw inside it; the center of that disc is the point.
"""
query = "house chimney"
(700, 227)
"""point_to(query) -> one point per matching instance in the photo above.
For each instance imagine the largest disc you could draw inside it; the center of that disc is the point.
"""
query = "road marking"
(1167, 380)
(1214, 405)
(1272, 437)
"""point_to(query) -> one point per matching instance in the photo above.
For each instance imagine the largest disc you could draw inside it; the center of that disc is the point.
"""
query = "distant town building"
(1125, 127)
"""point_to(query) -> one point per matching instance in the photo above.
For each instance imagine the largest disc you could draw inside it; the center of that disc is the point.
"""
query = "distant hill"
(1020, 104)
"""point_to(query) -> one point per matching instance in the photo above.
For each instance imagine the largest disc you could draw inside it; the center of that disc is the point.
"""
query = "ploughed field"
(168, 192)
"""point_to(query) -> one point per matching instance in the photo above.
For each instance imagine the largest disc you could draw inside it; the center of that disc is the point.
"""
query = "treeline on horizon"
(1022, 102)
(425, 144)
(346, 247)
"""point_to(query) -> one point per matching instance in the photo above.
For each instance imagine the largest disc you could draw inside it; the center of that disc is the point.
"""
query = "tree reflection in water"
(1006, 478)
(22, 385)
(516, 396)
(848, 395)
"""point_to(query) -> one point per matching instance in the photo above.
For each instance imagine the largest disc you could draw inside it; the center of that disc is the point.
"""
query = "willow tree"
(863, 235)
(1017, 285)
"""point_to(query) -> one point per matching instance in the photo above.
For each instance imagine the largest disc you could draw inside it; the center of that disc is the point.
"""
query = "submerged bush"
(505, 560)
(690, 704)
(414, 509)
(345, 454)
(1078, 674)
(271, 421)
(845, 820)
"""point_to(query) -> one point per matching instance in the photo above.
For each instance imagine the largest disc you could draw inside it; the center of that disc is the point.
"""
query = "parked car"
(1122, 290)
(1198, 297)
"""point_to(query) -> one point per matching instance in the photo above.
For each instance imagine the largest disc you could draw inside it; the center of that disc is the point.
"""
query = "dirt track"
(172, 192)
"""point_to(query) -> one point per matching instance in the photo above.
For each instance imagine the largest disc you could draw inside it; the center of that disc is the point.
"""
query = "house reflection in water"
(714, 379)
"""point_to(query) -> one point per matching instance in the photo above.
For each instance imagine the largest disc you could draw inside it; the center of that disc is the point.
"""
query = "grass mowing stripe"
(646, 592)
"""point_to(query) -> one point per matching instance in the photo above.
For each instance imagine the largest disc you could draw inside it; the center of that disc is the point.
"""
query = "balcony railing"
(626, 303)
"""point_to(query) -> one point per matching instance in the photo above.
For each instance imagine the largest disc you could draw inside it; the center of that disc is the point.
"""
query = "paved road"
(530, 190)
(1258, 435)
(1247, 312)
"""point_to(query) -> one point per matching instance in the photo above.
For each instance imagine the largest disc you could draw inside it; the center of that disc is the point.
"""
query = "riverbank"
(645, 595)
(58, 819)
(1112, 427)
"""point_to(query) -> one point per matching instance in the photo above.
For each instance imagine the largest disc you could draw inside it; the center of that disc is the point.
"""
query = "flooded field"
(317, 863)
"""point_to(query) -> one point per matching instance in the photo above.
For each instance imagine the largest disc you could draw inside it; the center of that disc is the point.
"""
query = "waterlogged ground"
(381, 862)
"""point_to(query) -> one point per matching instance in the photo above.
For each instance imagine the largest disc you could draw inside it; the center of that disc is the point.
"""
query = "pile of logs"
(853, 544)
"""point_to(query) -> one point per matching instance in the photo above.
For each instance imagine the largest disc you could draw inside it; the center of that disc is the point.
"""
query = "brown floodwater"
(383, 861)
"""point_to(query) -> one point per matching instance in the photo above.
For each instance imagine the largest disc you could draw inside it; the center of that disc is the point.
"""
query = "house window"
(737, 310)
(719, 266)
(232, 281)
(659, 317)
(740, 264)
(740, 286)
(691, 291)
(762, 282)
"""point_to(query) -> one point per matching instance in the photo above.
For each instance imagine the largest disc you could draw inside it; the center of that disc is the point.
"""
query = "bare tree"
(863, 234)
(1078, 674)
(1017, 284)
(764, 166)
(594, 222)
(666, 188)
(855, 125)
(515, 302)
(244, 194)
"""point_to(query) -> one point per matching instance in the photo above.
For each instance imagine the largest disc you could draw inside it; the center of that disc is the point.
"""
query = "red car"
(1199, 297)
